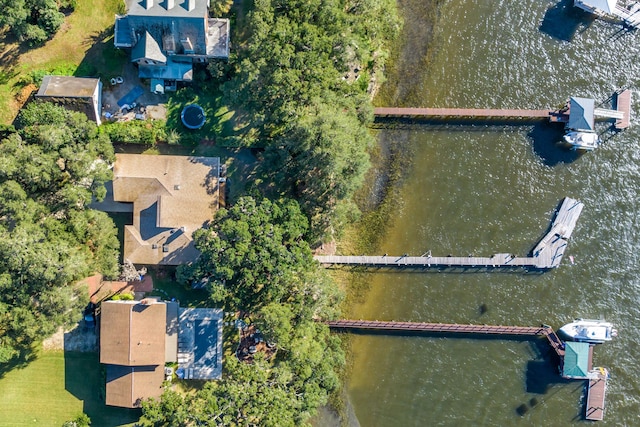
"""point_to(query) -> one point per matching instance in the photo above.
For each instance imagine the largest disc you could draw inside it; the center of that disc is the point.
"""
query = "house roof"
(180, 71)
(172, 197)
(581, 114)
(576, 360)
(128, 385)
(68, 87)
(200, 344)
(168, 8)
(132, 333)
(147, 48)
(171, 341)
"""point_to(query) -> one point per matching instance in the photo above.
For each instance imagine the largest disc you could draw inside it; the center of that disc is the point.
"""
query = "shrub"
(137, 132)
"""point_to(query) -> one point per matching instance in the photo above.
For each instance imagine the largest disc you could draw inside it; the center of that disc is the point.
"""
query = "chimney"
(147, 4)
(191, 4)
(170, 4)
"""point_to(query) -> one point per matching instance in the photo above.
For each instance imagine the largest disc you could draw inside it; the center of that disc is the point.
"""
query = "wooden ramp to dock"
(595, 395)
(547, 254)
(456, 328)
(471, 113)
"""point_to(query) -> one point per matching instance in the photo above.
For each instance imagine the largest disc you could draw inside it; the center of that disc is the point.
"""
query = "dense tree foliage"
(49, 170)
(300, 81)
(33, 21)
(255, 257)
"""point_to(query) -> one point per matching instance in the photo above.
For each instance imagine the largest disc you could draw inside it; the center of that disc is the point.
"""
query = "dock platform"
(596, 391)
(623, 104)
(547, 253)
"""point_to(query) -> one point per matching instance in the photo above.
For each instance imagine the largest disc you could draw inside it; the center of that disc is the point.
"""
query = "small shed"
(81, 94)
(581, 117)
(576, 360)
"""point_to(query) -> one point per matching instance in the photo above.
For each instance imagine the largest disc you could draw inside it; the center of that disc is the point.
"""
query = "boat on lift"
(585, 141)
(591, 331)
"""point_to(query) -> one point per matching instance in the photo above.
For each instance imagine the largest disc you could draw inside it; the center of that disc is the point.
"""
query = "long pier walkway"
(444, 113)
(547, 253)
(456, 328)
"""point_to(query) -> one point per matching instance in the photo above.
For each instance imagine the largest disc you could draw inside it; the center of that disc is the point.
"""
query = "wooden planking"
(595, 396)
(547, 254)
(547, 331)
(623, 104)
(459, 112)
(551, 247)
(436, 327)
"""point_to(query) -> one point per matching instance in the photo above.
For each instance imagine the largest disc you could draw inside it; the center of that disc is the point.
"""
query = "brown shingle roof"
(132, 334)
(172, 197)
(128, 385)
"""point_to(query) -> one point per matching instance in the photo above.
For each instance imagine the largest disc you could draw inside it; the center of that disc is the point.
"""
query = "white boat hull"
(585, 141)
(592, 331)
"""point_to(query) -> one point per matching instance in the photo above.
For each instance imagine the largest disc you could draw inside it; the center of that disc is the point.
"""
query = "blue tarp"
(130, 98)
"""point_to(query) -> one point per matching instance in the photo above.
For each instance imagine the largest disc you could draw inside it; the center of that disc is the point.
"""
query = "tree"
(50, 168)
(255, 257)
(33, 21)
(322, 159)
(81, 420)
(252, 253)
(294, 80)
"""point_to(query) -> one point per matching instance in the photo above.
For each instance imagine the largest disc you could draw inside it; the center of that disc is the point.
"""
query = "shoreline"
(391, 160)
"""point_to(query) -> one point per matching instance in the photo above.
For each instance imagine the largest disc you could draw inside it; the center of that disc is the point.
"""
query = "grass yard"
(82, 47)
(57, 387)
(220, 125)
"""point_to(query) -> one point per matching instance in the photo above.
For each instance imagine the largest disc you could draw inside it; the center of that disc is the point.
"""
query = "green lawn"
(55, 388)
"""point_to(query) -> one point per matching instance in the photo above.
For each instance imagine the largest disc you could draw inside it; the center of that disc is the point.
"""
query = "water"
(487, 189)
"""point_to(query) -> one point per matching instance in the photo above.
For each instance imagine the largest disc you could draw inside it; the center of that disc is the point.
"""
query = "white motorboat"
(586, 141)
(593, 331)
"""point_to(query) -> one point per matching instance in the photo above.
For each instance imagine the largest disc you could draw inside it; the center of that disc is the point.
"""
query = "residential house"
(172, 196)
(166, 37)
(74, 93)
(137, 338)
(132, 345)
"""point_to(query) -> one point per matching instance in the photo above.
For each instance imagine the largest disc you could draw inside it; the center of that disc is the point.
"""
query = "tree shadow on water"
(545, 138)
(563, 21)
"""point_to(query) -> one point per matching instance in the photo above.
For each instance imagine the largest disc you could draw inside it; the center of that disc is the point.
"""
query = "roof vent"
(176, 187)
(154, 246)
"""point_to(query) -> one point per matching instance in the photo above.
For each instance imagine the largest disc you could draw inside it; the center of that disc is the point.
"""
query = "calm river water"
(488, 189)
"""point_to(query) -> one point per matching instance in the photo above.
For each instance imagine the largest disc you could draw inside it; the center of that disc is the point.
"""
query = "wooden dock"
(455, 328)
(596, 391)
(547, 253)
(469, 113)
(623, 103)
(621, 112)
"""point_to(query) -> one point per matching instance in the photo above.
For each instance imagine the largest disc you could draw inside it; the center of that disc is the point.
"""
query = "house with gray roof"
(167, 37)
